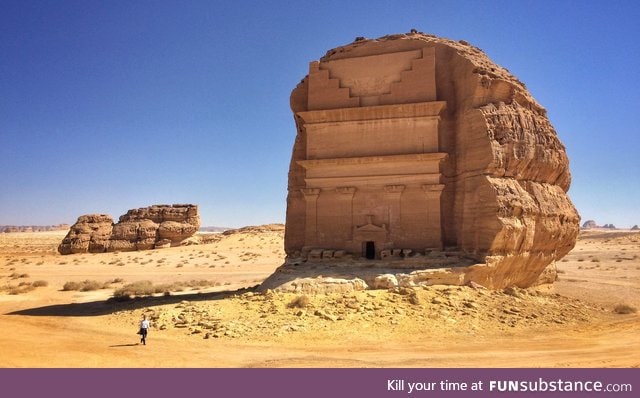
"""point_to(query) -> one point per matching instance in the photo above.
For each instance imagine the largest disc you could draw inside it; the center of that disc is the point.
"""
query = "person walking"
(144, 328)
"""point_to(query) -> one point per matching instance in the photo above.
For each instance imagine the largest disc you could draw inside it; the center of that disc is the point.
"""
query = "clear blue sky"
(111, 105)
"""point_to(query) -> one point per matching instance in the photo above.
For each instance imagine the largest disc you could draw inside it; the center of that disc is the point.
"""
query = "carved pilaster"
(346, 200)
(393, 195)
(433, 193)
(311, 219)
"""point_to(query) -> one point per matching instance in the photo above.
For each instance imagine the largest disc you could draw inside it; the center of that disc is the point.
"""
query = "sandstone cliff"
(506, 173)
(139, 229)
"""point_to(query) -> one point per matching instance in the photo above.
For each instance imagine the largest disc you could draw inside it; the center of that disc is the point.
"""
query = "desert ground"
(60, 311)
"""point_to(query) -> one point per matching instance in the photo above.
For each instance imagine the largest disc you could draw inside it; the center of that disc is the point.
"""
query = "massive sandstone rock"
(90, 233)
(411, 144)
(140, 229)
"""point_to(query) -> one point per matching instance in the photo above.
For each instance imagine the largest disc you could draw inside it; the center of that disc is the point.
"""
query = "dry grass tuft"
(625, 309)
(84, 286)
(147, 288)
(299, 302)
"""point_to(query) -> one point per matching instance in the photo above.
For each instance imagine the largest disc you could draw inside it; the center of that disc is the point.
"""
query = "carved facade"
(372, 160)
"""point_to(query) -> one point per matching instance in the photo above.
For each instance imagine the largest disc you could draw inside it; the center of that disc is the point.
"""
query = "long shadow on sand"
(96, 308)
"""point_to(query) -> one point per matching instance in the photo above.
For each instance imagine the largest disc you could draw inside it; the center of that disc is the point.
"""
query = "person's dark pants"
(143, 336)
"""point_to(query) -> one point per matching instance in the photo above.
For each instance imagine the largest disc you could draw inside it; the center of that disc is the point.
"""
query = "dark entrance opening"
(370, 250)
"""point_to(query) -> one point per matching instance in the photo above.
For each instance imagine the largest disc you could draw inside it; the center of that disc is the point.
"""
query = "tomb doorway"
(370, 250)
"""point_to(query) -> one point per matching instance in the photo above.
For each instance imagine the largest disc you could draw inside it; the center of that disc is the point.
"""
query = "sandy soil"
(224, 324)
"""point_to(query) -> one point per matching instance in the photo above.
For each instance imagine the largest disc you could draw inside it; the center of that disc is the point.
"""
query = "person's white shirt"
(144, 324)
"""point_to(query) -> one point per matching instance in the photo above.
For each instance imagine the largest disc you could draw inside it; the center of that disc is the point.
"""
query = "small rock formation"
(635, 228)
(90, 233)
(157, 226)
(589, 224)
(410, 144)
(609, 226)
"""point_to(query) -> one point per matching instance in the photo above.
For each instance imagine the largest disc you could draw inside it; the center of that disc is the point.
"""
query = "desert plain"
(60, 311)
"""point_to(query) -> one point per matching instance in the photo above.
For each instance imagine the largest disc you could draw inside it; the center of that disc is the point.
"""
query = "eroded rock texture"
(145, 228)
(411, 143)
(90, 233)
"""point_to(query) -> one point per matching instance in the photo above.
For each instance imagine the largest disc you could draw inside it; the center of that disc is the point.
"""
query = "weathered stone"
(589, 224)
(139, 229)
(322, 285)
(411, 141)
(90, 234)
(163, 244)
(548, 275)
(385, 281)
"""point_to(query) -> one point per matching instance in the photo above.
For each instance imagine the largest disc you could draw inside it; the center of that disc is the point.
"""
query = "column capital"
(394, 188)
(309, 192)
(346, 190)
(433, 188)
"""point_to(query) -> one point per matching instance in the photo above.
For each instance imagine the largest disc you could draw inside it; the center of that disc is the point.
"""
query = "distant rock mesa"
(145, 228)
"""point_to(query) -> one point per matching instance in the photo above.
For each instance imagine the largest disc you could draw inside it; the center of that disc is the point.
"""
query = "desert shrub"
(625, 309)
(595, 260)
(14, 290)
(40, 283)
(299, 302)
(84, 286)
(68, 286)
(90, 285)
(140, 288)
(22, 287)
(147, 288)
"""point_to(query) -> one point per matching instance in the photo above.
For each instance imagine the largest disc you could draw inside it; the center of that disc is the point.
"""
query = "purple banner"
(303, 383)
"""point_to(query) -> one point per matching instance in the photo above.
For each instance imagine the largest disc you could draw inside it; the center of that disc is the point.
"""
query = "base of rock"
(325, 276)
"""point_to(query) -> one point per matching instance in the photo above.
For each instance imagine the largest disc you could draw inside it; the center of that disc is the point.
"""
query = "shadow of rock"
(97, 308)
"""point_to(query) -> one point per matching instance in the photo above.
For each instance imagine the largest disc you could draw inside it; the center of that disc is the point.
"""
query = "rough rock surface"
(503, 172)
(145, 228)
(589, 224)
(155, 226)
(90, 233)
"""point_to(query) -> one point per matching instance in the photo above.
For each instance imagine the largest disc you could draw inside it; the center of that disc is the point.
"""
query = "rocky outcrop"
(161, 225)
(635, 228)
(589, 224)
(145, 228)
(489, 158)
(90, 234)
